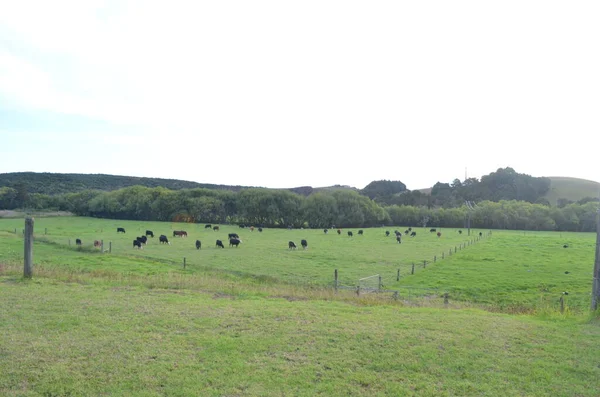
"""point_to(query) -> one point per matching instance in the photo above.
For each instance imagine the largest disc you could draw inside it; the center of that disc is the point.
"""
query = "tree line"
(283, 208)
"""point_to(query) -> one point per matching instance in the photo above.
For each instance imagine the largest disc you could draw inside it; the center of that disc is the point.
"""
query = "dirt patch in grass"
(290, 298)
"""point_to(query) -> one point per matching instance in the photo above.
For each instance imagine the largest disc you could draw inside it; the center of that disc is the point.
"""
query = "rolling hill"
(573, 189)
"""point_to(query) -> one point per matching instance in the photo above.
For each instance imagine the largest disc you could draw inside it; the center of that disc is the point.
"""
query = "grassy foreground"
(69, 339)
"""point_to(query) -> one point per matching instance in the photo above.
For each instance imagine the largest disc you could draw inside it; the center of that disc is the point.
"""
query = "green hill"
(573, 189)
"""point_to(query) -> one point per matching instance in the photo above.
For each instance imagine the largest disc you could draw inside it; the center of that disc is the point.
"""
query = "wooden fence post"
(110, 247)
(442, 255)
(358, 290)
(335, 279)
(398, 275)
(424, 264)
(380, 284)
(28, 247)
(45, 230)
(445, 298)
(69, 242)
(184, 262)
(102, 246)
(455, 249)
(434, 258)
(562, 304)
(413, 268)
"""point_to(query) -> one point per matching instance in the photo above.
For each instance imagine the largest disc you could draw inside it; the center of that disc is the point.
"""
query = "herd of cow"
(234, 238)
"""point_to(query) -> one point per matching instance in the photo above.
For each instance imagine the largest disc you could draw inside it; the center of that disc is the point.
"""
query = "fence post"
(413, 268)
(446, 298)
(434, 258)
(455, 249)
(45, 230)
(69, 242)
(335, 279)
(562, 303)
(102, 246)
(442, 255)
(184, 262)
(379, 285)
(398, 275)
(110, 247)
(424, 263)
(15, 230)
(358, 290)
(28, 247)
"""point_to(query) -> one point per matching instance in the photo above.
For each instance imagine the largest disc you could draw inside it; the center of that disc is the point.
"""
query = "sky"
(313, 93)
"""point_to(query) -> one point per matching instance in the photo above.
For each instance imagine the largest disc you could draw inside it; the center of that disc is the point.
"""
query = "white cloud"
(359, 91)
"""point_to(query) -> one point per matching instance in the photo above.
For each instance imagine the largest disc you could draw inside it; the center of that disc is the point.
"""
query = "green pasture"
(71, 339)
(509, 269)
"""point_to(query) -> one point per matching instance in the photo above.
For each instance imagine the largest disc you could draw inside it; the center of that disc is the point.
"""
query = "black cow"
(291, 245)
(137, 243)
(339, 231)
(406, 231)
(215, 228)
(242, 226)
(325, 231)
(413, 234)
(142, 239)
(439, 234)
(220, 244)
(304, 244)
(410, 229)
(565, 246)
(399, 239)
(350, 234)
(198, 244)
(233, 235)
(360, 232)
(387, 233)
(208, 226)
(180, 233)
(120, 230)
(260, 229)
(460, 232)
(432, 230)
(234, 241)
(480, 234)
(78, 241)
(398, 233)
(149, 233)
(163, 239)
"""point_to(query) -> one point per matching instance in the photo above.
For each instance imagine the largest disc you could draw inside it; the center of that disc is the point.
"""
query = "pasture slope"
(261, 320)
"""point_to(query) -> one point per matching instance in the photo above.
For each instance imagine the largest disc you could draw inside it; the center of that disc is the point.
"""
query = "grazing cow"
(215, 228)
(565, 246)
(325, 231)
(460, 232)
(198, 244)
(149, 233)
(397, 233)
(480, 234)
(387, 233)
(208, 226)
(220, 244)
(399, 239)
(406, 231)
(291, 245)
(432, 230)
(410, 229)
(120, 230)
(260, 229)
(360, 232)
(234, 241)
(163, 239)
(78, 241)
(339, 231)
(413, 234)
(137, 243)
(304, 244)
(350, 234)
(142, 239)
(439, 234)
(97, 243)
(180, 233)
(242, 226)
(251, 228)
(233, 235)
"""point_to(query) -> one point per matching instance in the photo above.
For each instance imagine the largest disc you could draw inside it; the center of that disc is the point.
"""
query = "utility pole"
(470, 207)
(596, 280)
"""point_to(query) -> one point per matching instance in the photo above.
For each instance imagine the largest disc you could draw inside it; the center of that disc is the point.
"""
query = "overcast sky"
(285, 94)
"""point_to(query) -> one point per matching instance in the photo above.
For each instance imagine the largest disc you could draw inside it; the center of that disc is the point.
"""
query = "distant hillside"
(573, 189)
(56, 183)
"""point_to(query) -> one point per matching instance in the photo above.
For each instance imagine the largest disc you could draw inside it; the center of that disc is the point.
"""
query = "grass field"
(237, 321)
(573, 189)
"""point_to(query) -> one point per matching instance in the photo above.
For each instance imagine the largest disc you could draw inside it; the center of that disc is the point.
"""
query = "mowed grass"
(260, 253)
(66, 339)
